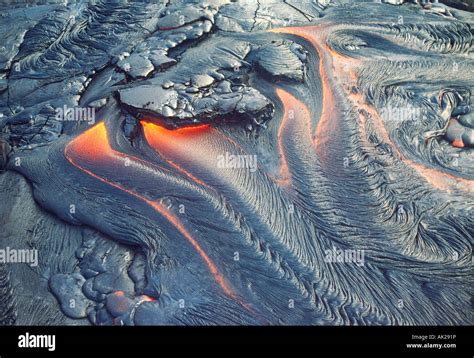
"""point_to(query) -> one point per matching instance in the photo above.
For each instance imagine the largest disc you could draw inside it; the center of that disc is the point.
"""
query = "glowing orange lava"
(94, 146)
(334, 65)
(458, 143)
(327, 124)
(146, 298)
(196, 146)
(297, 122)
(153, 132)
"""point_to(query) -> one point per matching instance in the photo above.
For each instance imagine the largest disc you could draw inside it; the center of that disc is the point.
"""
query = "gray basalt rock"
(68, 290)
(237, 162)
(283, 59)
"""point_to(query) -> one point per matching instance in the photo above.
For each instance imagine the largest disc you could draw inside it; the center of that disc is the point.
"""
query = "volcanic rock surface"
(237, 162)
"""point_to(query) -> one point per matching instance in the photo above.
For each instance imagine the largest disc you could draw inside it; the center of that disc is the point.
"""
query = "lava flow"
(333, 66)
(294, 134)
(91, 150)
